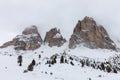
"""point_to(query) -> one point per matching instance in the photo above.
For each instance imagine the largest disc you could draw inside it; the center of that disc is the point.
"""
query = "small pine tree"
(49, 65)
(93, 66)
(70, 58)
(114, 70)
(62, 59)
(90, 79)
(66, 61)
(82, 63)
(39, 56)
(51, 73)
(87, 63)
(102, 66)
(108, 69)
(30, 67)
(33, 62)
(20, 60)
(48, 62)
(71, 63)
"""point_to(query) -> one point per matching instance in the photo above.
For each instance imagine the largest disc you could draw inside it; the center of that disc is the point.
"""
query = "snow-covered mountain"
(90, 54)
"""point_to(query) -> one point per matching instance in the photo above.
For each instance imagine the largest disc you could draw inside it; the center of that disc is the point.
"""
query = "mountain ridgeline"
(86, 33)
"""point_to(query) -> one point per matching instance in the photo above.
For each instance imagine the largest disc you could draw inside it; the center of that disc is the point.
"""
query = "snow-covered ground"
(9, 68)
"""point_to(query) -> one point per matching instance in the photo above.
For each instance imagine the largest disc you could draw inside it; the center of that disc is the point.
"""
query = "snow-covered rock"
(29, 40)
(54, 38)
(58, 35)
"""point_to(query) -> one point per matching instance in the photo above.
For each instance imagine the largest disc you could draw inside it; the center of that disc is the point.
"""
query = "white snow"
(85, 30)
(62, 14)
(58, 35)
(26, 37)
(9, 68)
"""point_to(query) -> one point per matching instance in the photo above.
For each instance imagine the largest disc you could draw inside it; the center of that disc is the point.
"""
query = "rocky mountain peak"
(86, 24)
(86, 33)
(91, 35)
(54, 38)
(29, 40)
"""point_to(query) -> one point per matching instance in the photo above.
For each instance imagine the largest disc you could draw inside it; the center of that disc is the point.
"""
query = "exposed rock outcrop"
(91, 35)
(86, 33)
(29, 40)
(54, 38)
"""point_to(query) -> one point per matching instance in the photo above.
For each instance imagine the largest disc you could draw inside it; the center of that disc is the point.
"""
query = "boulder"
(54, 38)
(89, 34)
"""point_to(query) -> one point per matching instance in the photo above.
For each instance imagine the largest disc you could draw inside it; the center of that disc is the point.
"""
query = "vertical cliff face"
(29, 40)
(54, 38)
(91, 35)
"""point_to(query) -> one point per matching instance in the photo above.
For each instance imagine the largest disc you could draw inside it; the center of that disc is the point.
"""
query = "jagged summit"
(86, 33)
(29, 40)
(91, 35)
(54, 38)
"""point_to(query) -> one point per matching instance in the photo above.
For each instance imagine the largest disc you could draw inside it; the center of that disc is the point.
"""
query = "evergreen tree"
(108, 69)
(102, 66)
(62, 59)
(82, 63)
(39, 56)
(114, 70)
(71, 63)
(20, 60)
(66, 61)
(30, 67)
(87, 62)
(33, 62)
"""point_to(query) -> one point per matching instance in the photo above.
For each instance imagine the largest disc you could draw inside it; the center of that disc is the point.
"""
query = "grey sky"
(15, 15)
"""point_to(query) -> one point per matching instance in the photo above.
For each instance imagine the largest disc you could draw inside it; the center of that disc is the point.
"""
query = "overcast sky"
(15, 15)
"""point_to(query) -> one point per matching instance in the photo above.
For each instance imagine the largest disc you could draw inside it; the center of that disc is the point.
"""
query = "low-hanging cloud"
(15, 15)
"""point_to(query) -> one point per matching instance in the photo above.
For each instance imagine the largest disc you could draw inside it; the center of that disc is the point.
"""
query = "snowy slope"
(9, 68)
